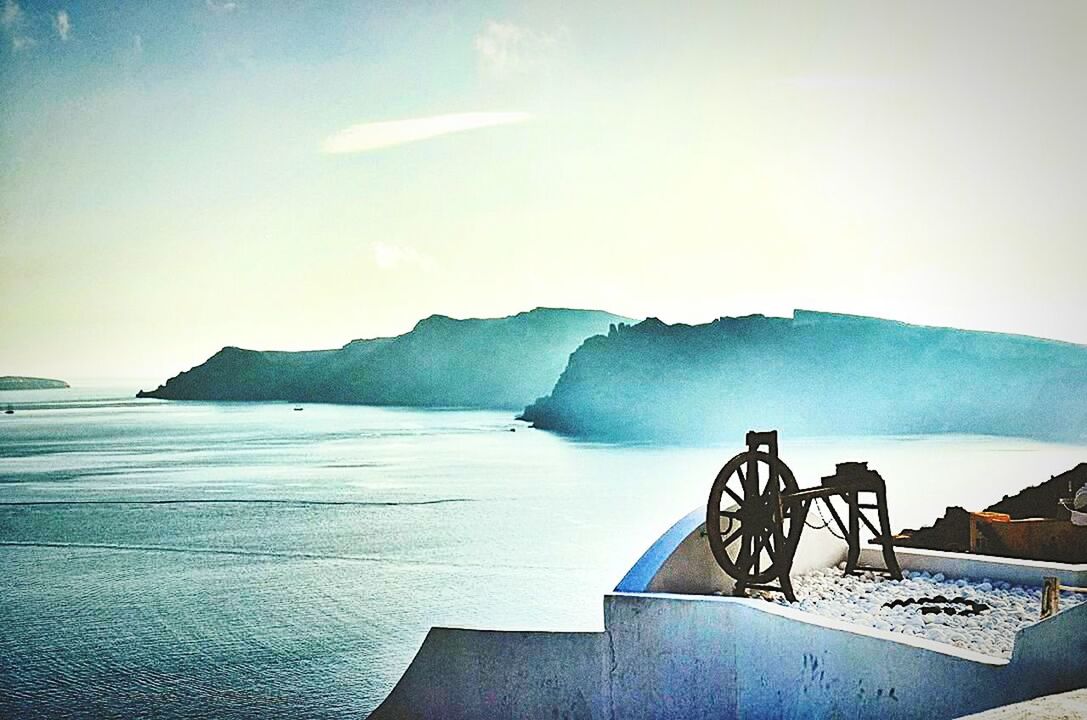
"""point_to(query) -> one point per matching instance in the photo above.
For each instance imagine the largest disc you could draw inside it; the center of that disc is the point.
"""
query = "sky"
(180, 176)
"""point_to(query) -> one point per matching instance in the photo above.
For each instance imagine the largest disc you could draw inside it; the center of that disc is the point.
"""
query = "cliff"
(1042, 500)
(15, 382)
(814, 374)
(1063, 544)
(441, 362)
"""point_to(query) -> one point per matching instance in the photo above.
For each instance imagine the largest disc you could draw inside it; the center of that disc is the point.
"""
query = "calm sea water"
(246, 560)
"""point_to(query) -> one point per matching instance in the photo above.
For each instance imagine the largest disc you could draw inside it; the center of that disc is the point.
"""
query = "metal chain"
(826, 523)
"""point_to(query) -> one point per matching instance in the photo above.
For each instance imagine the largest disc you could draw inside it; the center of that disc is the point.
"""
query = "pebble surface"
(862, 599)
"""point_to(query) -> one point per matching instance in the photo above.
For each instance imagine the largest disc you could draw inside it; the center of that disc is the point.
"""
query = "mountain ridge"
(441, 362)
(815, 373)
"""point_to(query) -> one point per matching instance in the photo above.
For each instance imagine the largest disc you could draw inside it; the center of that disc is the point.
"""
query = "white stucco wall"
(677, 656)
(665, 655)
(461, 674)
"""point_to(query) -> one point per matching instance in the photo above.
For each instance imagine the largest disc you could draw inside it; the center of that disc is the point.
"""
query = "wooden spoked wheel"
(751, 534)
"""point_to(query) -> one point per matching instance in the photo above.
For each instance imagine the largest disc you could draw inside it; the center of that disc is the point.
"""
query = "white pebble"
(862, 599)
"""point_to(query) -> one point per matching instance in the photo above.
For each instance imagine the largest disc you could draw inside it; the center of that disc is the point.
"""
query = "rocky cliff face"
(442, 362)
(814, 374)
(952, 531)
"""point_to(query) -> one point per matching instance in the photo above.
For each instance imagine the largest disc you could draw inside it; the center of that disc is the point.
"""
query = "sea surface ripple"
(245, 560)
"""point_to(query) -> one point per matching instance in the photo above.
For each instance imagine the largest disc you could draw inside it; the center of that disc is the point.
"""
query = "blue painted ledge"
(650, 563)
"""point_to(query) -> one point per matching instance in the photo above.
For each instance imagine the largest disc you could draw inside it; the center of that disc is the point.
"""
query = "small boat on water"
(298, 409)
(10, 410)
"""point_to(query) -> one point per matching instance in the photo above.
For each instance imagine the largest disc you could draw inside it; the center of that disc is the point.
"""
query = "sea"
(235, 560)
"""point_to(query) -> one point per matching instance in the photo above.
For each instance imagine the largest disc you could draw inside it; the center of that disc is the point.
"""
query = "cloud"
(371, 136)
(391, 257)
(11, 15)
(22, 42)
(221, 8)
(497, 46)
(13, 21)
(63, 25)
(505, 49)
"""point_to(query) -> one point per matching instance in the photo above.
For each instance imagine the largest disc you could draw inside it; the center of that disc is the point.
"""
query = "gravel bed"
(979, 615)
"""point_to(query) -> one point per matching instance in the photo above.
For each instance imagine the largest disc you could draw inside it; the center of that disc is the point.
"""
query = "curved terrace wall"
(680, 560)
(669, 654)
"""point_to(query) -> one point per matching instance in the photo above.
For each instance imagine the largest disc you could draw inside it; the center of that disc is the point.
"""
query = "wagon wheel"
(742, 513)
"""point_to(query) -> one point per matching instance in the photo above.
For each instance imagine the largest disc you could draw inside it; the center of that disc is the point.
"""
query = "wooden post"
(1051, 596)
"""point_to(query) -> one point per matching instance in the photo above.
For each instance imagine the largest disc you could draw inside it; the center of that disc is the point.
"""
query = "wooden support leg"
(1051, 596)
(744, 560)
(782, 563)
(854, 536)
(889, 557)
(787, 551)
(787, 587)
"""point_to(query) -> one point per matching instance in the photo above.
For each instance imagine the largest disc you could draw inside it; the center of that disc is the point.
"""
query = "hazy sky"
(178, 176)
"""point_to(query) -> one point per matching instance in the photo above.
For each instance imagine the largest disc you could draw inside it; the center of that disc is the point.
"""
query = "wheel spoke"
(761, 504)
(765, 495)
(770, 547)
(732, 537)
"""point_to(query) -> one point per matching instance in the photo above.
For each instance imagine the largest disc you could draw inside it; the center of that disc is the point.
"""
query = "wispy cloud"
(13, 21)
(221, 8)
(63, 25)
(371, 136)
(505, 48)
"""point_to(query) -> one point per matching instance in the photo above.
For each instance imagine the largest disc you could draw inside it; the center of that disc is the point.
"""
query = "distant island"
(17, 382)
(814, 374)
(501, 363)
